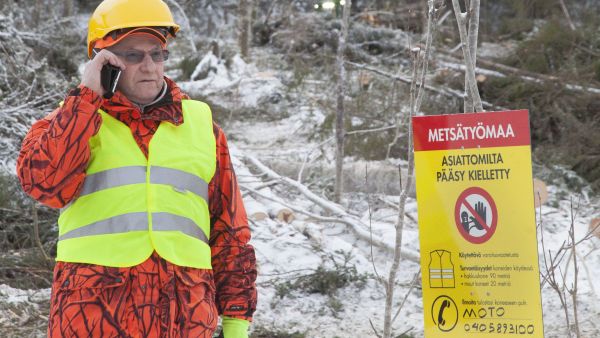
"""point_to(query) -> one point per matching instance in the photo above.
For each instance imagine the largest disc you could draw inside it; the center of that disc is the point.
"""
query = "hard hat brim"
(115, 37)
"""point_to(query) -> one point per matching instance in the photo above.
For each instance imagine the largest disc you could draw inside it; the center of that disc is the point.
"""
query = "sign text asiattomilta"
(477, 225)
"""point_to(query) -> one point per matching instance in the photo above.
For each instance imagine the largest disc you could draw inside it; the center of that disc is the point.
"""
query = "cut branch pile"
(337, 214)
(30, 85)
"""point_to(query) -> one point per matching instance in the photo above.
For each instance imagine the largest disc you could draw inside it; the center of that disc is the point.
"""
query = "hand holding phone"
(101, 74)
(109, 77)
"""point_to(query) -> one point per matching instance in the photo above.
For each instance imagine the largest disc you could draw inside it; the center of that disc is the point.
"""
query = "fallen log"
(406, 79)
(500, 70)
(340, 215)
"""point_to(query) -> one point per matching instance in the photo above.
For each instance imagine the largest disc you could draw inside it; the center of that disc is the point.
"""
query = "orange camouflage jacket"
(53, 159)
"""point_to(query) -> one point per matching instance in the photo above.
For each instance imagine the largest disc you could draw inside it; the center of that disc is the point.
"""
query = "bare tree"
(36, 232)
(567, 15)
(186, 25)
(37, 12)
(244, 27)
(339, 116)
(573, 289)
(556, 276)
(417, 87)
(68, 8)
(468, 28)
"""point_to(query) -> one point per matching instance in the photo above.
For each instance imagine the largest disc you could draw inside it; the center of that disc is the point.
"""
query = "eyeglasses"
(137, 56)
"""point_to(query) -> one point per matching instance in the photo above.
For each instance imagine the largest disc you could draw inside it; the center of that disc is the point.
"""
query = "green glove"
(235, 328)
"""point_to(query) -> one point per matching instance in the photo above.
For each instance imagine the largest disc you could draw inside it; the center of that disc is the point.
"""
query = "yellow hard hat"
(112, 15)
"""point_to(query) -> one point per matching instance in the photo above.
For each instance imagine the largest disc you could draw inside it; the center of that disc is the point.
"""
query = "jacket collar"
(166, 107)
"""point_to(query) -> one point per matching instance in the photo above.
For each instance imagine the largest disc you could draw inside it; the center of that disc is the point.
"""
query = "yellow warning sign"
(477, 225)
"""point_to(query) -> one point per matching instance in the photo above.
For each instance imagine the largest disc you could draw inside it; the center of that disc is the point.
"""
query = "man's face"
(140, 82)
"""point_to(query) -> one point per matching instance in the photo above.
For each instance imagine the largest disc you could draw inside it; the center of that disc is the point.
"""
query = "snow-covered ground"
(304, 248)
(288, 250)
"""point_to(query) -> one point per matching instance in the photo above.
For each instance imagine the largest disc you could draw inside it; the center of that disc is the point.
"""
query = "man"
(153, 235)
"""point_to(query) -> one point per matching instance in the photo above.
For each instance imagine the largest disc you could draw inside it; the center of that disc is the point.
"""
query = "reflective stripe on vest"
(163, 221)
(113, 178)
(131, 205)
(179, 180)
(138, 221)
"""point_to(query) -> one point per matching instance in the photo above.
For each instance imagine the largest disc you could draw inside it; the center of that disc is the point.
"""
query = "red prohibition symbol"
(476, 215)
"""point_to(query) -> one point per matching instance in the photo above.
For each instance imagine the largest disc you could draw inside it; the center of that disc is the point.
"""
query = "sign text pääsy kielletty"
(477, 225)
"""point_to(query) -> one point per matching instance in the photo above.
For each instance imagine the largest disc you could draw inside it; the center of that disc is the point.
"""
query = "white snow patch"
(249, 85)
(12, 295)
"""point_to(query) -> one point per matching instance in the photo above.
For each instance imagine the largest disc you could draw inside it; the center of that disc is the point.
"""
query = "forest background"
(270, 73)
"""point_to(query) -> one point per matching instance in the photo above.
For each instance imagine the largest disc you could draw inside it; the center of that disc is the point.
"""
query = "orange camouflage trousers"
(152, 299)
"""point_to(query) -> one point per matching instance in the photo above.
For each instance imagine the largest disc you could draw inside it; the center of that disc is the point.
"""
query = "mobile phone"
(109, 77)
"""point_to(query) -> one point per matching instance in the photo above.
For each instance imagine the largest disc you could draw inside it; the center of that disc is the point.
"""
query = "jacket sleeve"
(233, 260)
(55, 151)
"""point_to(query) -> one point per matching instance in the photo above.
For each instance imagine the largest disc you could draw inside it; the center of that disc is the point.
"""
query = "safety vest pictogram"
(441, 269)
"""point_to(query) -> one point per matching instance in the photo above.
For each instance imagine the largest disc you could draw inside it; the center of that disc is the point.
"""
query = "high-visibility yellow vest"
(130, 206)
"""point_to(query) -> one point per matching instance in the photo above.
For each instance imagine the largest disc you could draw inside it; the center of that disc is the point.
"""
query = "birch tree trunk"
(468, 40)
(37, 12)
(473, 27)
(567, 15)
(244, 27)
(186, 25)
(339, 118)
(420, 65)
(68, 8)
(391, 281)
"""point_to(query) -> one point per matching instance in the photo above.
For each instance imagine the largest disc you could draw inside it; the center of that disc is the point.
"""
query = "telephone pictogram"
(444, 313)
(441, 320)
